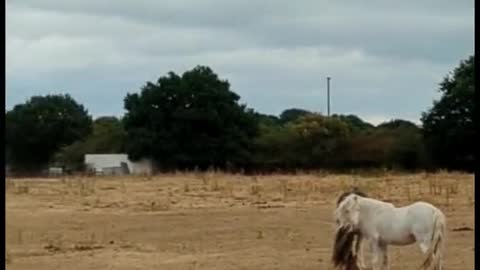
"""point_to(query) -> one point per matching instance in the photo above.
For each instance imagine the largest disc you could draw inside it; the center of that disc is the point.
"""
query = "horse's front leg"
(384, 252)
(379, 255)
(360, 252)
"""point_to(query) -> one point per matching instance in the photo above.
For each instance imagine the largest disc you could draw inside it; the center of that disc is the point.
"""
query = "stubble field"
(213, 220)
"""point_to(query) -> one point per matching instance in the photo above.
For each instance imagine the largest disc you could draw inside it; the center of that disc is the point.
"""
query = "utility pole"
(328, 96)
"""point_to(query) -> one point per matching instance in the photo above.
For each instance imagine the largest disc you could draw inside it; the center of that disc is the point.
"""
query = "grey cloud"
(386, 57)
(402, 31)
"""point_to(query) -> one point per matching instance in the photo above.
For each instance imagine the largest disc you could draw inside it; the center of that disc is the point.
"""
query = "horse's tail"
(435, 253)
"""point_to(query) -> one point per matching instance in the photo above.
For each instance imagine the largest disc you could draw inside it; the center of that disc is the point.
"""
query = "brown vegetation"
(212, 220)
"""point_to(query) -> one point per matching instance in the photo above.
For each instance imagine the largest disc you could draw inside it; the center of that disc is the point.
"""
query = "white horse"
(383, 224)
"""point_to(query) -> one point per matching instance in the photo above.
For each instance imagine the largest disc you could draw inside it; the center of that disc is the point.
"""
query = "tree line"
(195, 121)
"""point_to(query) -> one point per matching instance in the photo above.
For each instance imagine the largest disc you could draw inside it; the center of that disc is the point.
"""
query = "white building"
(117, 164)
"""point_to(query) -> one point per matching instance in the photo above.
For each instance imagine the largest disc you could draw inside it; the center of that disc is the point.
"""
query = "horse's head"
(348, 211)
(345, 194)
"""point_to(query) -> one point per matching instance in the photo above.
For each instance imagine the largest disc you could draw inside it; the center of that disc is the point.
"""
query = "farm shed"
(55, 171)
(117, 164)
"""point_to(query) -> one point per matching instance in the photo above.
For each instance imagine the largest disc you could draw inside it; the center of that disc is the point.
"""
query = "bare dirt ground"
(213, 221)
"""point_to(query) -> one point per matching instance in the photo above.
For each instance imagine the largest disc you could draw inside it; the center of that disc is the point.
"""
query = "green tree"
(355, 123)
(320, 139)
(449, 126)
(293, 114)
(187, 121)
(393, 144)
(275, 148)
(108, 136)
(408, 149)
(38, 128)
(368, 150)
(267, 120)
(396, 124)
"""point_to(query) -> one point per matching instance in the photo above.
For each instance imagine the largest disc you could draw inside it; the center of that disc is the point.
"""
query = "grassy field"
(213, 220)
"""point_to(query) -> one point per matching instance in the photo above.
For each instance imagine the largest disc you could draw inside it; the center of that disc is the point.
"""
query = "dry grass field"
(212, 220)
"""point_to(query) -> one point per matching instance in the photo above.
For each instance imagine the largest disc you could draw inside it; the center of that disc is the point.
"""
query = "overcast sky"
(385, 58)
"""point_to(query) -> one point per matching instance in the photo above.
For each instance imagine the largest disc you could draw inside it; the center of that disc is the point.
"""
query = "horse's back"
(425, 206)
(424, 214)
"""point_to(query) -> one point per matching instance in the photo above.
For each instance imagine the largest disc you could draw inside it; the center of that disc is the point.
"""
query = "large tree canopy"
(449, 126)
(193, 120)
(38, 128)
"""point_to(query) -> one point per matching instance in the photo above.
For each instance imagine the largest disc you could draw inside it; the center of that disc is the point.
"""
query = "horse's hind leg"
(438, 261)
(424, 247)
(425, 242)
(439, 265)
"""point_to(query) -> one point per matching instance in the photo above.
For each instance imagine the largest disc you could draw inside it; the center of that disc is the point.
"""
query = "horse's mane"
(355, 191)
(343, 256)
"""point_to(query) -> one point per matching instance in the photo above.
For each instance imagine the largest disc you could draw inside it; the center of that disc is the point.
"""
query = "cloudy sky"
(385, 58)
